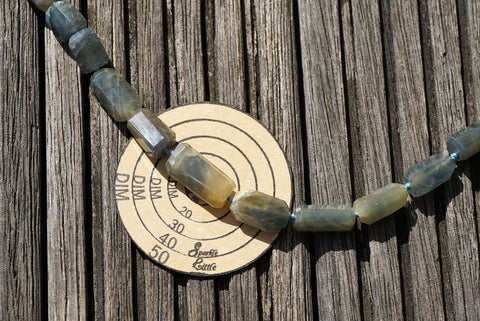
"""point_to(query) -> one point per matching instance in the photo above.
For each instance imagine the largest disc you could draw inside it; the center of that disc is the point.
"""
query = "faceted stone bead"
(380, 203)
(152, 134)
(64, 20)
(430, 173)
(466, 142)
(87, 50)
(42, 4)
(324, 218)
(200, 176)
(115, 94)
(260, 210)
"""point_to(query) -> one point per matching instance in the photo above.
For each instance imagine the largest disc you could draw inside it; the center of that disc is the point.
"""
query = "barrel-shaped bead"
(260, 210)
(42, 4)
(152, 134)
(200, 176)
(430, 173)
(64, 20)
(380, 203)
(324, 218)
(115, 94)
(87, 50)
(466, 142)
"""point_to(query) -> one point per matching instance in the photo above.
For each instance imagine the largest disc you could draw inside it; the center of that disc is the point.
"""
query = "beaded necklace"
(210, 184)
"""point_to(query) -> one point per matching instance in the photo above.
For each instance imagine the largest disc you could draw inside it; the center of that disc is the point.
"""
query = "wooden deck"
(355, 91)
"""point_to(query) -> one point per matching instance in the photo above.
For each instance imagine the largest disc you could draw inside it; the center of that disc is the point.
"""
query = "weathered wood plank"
(278, 108)
(20, 164)
(226, 56)
(196, 297)
(469, 24)
(455, 209)
(155, 286)
(185, 53)
(236, 293)
(380, 272)
(421, 274)
(112, 261)
(65, 191)
(335, 255)
(469, 19)
(250, 63)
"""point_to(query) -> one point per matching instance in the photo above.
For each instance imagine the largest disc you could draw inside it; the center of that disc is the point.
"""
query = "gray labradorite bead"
(115, 94)
(152, 134)
(87, 50)
(42, 4)
(465, 143)
(430, 173)
(324, 218)
(200, 176)
(64, 20)
(380, 203)
(260, 210)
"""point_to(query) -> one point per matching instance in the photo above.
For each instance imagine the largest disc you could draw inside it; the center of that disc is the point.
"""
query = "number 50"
(157, 252)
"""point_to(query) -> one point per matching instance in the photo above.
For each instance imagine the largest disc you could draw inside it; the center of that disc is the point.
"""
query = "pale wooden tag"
(170, 224)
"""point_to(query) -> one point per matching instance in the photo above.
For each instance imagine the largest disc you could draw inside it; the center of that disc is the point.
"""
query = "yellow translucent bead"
(200, 176)
(380, 203)
(42, 4)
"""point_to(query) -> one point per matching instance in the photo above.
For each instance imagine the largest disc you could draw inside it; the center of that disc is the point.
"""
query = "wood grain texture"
(278, 107)
(355, 92)
(187, 83)
(421, 275)
(111, 245)
(65, 193)
(21, 209)
(469, 20)
(226, 56)
(455, 209)
(337, 288)
(236, 293)
(379, 264)
(155, 287)
(469, 24)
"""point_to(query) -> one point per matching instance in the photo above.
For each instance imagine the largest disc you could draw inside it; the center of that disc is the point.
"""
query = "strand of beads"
(210, 184)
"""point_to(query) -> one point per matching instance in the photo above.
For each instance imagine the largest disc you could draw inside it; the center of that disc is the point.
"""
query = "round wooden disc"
(170, 224)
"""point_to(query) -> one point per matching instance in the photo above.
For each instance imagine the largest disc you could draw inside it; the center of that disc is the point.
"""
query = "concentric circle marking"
(169, 223)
